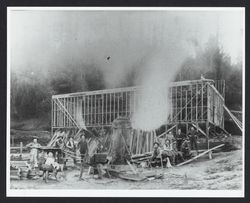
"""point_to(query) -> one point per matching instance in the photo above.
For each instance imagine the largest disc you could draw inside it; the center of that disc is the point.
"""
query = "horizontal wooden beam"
(203, 153)
(125, 89)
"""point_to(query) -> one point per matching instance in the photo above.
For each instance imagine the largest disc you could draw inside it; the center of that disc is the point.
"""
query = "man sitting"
(156, 152)
(168, 152)
(156, 156)
(186, 149)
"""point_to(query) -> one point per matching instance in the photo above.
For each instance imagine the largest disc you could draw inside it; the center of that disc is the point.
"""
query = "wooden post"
(197, 95)
(126, 103)
(110, 108)
(106, 112)
(202, 97)
(52, 117)
(181, 103)
(186, 108)
(114, 117)
(13, 144)
(91, 110)
(131, 141)
(191, 97)
(137, 142)
(207, 132)
(176, 104)
(95, 112)
(118, 105)
(21, 148)
(86, 102)
(103, 109)
(171, 105)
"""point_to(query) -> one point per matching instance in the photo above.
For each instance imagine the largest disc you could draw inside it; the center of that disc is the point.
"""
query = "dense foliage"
(31, 94)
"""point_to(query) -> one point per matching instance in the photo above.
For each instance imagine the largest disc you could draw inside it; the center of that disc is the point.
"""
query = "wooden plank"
(167, 131)
(147, 142)
(181, 103)
(152, 140)
(68, 114)
(134, 105)
(131, 167)
(92, 107)
(171, 104)
(110, 108)
(202, 97)
(95, 110)
(64, 117)
(186, 118)
(114, 117)
(172, 84)
(52, 117)
(176, 104)
(202, 154)
(137, 142)
(191, 102)
(21, 148)
(102, 109)
(86, 109)
(196, 106)
(125, 109)
(131, 141)
(199, 129)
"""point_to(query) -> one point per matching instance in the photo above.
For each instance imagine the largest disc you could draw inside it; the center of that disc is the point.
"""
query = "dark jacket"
(83, 147)
(192, 134)
(180, 136)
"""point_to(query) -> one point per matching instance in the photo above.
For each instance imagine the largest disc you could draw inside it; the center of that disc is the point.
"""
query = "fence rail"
(19, 148)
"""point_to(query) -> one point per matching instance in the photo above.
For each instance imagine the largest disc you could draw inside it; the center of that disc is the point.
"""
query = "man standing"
(34, 146)
(83, 147)
(193, 139)
(180, 138)
(71, 147)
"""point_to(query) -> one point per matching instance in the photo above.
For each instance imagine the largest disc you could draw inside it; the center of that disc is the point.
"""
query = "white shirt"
(49, 161)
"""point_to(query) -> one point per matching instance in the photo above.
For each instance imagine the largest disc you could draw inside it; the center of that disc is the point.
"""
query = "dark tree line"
(31, 95)
(214, 64)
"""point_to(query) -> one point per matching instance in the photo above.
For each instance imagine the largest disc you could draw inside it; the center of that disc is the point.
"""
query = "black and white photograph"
(125, 101)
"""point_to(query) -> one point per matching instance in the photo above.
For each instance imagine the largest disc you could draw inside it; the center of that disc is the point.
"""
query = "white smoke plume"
(153, 108)
(154, 43)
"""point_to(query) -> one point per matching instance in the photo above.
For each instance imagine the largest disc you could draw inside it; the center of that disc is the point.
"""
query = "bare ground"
(223, 172)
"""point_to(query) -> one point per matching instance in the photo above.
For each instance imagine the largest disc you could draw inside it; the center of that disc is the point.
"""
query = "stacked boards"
(142, 141)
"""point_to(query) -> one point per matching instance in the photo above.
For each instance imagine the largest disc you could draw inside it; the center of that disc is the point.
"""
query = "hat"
(156, 143)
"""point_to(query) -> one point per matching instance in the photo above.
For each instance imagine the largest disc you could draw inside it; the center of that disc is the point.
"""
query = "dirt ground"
(223, 172)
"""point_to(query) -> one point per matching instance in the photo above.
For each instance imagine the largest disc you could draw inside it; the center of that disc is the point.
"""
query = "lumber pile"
(19, 169)
(137, 159)
(56, 135)
(142, 141)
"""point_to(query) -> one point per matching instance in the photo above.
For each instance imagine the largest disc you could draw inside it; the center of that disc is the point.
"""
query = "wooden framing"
(194, 101)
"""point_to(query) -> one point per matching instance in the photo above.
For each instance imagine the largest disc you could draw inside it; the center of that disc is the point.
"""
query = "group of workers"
(68, 146)
(176, 148)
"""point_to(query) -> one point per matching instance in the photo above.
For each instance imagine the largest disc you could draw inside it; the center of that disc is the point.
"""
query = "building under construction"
(199, 103)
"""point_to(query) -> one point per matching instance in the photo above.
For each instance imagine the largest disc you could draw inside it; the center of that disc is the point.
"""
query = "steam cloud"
(154, 43)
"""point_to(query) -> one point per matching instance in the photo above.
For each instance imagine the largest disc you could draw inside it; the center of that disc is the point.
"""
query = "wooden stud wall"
(190, 102)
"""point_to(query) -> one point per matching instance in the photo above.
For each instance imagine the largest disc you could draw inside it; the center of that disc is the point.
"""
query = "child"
(50, 165)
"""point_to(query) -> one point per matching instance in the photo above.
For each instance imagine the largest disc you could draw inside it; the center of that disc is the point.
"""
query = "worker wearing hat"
(157, 151)
(192, 134)
(34, 146)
